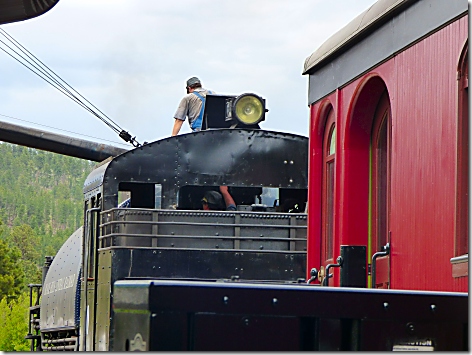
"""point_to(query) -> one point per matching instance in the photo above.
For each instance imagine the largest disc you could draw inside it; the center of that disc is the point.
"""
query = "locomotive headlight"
(248, 109)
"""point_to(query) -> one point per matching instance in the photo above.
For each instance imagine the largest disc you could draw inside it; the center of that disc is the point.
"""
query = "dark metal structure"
(19, 10)
(162, 233)
(178, 315)
(57, 143)
(60, 296)
(239, 158)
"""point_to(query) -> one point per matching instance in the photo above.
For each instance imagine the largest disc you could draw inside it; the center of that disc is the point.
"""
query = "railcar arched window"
(380, 186)
(462, 206)
(329, 154)
(382, 170)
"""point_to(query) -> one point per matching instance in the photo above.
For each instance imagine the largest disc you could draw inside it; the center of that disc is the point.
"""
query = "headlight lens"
(248, 109)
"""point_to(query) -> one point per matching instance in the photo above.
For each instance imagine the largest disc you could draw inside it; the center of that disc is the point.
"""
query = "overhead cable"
(18, 52)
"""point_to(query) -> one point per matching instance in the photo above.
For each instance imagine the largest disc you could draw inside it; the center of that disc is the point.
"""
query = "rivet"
(275, 301)
(433, 308)
(385, 305)
(225, 299)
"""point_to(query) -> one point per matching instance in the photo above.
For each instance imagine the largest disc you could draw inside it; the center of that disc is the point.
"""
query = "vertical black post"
(354, 268)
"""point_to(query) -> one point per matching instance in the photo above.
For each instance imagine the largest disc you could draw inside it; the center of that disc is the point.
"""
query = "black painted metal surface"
(59, 302)
(57, 143)
(207, 264)
(217, 230)
(19, 10)
(204, 316)
(212, 158)
(353, 272)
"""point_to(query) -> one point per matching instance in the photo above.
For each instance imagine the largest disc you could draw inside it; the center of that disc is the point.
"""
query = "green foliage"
(23, 237)
(41, 205)
(14, 324)
(12, 275)
(41, 202)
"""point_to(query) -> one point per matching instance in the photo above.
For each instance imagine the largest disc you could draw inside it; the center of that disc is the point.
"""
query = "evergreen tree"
(42, 190)
(12, 275)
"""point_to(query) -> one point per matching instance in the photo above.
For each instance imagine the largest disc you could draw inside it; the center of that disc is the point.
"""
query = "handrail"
(229, 237)
(339, 263)
(374, 262)
(156, 223)
(313, 275)
(267, 214)
(460, 259)
(33, 316)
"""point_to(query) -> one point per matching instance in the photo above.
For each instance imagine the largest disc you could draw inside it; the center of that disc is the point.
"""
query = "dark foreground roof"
(19, 10)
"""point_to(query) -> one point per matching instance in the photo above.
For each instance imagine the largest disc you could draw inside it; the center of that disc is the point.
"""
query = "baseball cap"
(193, 80)
(213, 199)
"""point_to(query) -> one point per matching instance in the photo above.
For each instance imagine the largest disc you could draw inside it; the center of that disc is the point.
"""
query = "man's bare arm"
(226, 195)
(177, 125)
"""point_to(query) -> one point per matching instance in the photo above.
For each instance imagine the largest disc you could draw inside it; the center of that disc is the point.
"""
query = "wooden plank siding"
(424, 161)
(423, 90)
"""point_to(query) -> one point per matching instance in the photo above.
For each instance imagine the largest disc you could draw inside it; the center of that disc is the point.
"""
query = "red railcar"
(389, 140)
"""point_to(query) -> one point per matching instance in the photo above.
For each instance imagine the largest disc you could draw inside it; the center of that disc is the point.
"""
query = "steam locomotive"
(162, 233)
(149, 270)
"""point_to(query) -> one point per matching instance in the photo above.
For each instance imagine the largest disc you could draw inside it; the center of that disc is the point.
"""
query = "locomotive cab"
(144, 217)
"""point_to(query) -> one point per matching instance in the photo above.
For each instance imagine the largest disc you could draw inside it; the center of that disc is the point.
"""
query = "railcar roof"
(356, 29)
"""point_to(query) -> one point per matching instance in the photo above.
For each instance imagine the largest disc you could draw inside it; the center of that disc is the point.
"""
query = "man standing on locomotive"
(191, 106)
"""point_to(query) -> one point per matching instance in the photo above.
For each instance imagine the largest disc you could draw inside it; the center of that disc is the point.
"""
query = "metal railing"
(33, 315)
(222, 230)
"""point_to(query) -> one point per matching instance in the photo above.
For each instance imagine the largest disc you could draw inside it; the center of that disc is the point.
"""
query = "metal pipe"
(58, 341)
(374, 262)
(46, 266)
(59, 348)
(279, 239)
(280, 215)
(278, 226)
(57, 143)
(314, 276)
(339, 262)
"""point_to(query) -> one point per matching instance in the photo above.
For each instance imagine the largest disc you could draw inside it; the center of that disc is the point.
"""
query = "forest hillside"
(40, 207)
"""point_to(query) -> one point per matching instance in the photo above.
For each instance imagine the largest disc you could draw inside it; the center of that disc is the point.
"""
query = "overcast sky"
(131, 59)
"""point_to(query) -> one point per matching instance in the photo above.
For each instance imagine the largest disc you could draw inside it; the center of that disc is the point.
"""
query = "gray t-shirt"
(190, 106)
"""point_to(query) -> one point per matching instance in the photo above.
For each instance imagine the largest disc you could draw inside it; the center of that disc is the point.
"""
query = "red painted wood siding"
(424, 162)
(422, 86)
